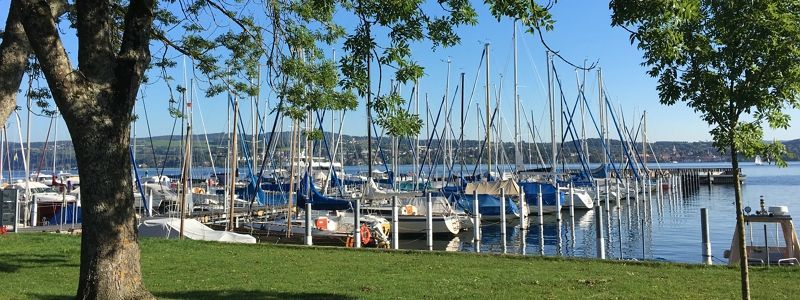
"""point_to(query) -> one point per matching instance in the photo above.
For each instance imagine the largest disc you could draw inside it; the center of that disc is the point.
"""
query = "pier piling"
(429, 222)
(706, 236)
(308, 237)
(503, 219)
(476, 223)
(357, 224)
(598, 225)
(395, 225)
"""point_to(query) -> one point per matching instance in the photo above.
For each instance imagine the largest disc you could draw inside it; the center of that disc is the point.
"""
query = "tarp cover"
(192, 229)
(492, 188)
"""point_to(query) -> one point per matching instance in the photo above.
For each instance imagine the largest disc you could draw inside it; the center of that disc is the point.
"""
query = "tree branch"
(95, 34)
(40, 29)
(541, 38)
(134, 55)
(14, 52)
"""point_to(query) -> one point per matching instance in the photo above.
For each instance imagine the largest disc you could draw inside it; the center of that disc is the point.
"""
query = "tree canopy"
(736, 63)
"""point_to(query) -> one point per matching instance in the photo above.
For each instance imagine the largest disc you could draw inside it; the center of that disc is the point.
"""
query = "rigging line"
(475, 82)
(430, 140)
(614, 118)
(597, 129)
(44, 151)
(205, 134)
(570, 123)
(267, 152)
(535, 70)
(533, 131)
(484, 143)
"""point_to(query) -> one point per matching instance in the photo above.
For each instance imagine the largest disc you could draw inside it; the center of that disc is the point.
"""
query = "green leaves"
(392, 117)
(727, 60)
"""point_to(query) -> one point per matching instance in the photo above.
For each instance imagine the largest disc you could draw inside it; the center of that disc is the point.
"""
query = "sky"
(582, 33)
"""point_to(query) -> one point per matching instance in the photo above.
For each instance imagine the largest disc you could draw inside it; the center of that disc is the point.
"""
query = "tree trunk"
(97, 102)
(737, 185)
(109, 244)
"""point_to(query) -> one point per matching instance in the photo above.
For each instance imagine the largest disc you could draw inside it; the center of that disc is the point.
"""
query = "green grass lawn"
(45, 266)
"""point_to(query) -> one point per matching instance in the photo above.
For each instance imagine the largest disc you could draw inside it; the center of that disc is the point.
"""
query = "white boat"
(582, 200)
(48, 201)
(778, 247)
(758, 160)
(412, 211)
(374, 229)
(169, 228)
(412, 217)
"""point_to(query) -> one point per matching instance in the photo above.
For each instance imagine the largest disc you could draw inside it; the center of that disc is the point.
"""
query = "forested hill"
(166, 150)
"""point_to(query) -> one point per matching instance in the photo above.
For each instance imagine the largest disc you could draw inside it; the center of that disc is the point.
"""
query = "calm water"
(666, 230)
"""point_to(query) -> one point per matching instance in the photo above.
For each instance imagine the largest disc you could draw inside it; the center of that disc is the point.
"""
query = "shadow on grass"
(234, 294)
(10, 263)
(50, 297)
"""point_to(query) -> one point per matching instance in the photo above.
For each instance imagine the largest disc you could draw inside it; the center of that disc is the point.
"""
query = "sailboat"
(758, 160)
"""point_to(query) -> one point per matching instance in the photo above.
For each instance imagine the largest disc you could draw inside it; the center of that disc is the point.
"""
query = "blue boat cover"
(317, 200)
(548, 193)
(488, 205)
(67, 214)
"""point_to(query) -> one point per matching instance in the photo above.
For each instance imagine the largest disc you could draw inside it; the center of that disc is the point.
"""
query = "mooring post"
(503, 219)
(429, 223)
(357, 224)
(540, 203)
(16, 210)
(766, 244)
(619, 231)
(598, 225)
(618, 191)
(571, 200)
(395, 224)
(643, 240)
(476, 223)
(309, 241)
(636, 190)
(706, 237)
(608, 197)
(558, 203)
(523, 216)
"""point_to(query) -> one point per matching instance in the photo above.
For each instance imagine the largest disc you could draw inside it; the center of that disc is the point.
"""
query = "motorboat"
(773, 239)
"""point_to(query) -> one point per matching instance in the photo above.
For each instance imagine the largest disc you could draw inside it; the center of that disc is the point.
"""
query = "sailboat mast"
(603, 129)
(55, 141)
(369, 117)
(187, 158)
(551, 100)
(234, 165)
(461, 135)
(416, 138)
(488, 116)
(446, 134)
(517, 154)
(644, 141)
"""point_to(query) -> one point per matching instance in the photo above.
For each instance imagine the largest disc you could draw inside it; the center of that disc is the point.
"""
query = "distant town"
(165, 151)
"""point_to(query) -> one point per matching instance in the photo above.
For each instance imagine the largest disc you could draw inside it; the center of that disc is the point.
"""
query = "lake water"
(666, 230)
(658, 230)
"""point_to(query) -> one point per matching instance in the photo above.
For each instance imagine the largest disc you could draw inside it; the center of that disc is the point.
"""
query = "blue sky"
(582, 32)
